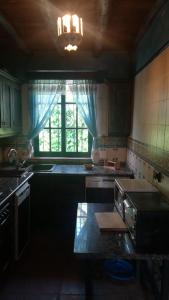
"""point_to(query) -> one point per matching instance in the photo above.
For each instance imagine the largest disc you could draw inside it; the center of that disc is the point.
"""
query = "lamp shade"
(70, 31)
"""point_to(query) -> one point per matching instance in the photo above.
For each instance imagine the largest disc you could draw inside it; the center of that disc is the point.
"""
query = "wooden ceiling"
(109, 25)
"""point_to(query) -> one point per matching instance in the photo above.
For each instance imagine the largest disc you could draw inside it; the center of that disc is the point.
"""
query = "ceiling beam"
(103, 13)
(12, 32)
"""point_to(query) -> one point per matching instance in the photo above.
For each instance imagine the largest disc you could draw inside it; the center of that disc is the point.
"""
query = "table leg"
(164, 293)
(88, 274)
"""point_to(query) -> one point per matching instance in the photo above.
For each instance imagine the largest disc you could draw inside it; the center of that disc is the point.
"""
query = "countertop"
(9, 185)
(80, 170)
(92, 243)
(149, 201)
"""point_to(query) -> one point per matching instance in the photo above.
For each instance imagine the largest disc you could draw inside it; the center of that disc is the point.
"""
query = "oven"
(147, 219)
(124, 185)
(5, 236)
(118, 201)
(130, 216)
(22, 219)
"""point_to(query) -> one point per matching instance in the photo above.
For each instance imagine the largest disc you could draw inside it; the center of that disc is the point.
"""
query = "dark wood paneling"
(119, 109)
(155, 38)
(109, 26)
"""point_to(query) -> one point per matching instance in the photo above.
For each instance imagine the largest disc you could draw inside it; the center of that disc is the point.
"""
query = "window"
(65, 133)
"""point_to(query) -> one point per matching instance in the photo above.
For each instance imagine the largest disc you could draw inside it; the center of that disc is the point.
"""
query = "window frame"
(63, 153)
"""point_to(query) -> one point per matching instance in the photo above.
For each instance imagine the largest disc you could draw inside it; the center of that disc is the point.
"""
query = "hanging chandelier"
(70, 32)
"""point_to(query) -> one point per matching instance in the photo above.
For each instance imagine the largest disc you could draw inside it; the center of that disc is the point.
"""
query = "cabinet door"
(5, 105)
(15, 108)
(119, 109)
(54, 206)
(10, 107)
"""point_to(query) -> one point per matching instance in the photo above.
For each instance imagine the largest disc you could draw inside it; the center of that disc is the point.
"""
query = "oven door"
(22, 219)
(5, 237)
(130, 215)
(118, 200)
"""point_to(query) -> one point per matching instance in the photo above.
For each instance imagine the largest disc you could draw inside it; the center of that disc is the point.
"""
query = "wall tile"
(162, 112)
(150, 129)
(166, 143)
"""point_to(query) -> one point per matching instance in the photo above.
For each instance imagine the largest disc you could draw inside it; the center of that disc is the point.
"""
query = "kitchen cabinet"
(99, 189)
(10, 106)
(6, 242)
(5, 104)
(15, 108)
(54, 201)
(119, 109)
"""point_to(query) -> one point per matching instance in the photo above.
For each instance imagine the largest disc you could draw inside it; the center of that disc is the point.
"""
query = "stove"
(134, 185)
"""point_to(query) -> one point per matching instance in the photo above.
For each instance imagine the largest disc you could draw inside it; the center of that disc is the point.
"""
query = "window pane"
(56, 140)
(70, 140)
(44, 144)
(56, 116)
(47, 123)
(81, 123)
(70, 115)
(69, 94)
(82, 140)
(69, 97)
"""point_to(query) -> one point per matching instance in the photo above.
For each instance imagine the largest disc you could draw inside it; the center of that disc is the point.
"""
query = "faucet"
(12, 157)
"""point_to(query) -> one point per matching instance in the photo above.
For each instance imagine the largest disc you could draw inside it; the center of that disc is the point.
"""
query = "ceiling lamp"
(70, 32)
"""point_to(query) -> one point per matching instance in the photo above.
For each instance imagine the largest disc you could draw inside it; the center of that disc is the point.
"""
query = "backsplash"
(143, 169)
(109, 148)
(20, 143)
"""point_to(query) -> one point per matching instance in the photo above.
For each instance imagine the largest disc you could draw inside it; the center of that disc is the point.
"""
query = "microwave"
(147, 218)
(124, 185)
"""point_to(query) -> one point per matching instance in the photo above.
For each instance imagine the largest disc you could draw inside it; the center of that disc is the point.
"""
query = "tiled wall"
(144, 169)
(20, 143)
(110, 148)
(151, 104)
(149, 141)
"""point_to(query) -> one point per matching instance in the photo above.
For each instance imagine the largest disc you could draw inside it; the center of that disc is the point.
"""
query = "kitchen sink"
(12, 171)
(43, 167)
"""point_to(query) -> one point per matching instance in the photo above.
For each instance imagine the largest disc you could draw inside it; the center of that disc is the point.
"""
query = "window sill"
(61, 160)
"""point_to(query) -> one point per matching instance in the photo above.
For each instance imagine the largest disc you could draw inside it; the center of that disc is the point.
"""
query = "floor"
(44, 273)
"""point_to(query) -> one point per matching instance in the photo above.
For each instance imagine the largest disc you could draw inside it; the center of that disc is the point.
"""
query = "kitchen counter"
(9, 185)
(80, 170)
(92, 243)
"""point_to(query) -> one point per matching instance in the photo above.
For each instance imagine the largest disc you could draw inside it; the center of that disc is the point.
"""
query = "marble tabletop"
(92, 243)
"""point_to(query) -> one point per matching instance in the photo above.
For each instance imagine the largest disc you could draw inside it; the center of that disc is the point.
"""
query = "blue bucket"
(119, 269)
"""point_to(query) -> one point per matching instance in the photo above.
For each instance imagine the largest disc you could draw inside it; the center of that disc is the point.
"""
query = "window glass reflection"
(81, 217)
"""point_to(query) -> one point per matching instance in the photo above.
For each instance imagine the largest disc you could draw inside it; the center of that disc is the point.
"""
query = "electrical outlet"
(157, 176)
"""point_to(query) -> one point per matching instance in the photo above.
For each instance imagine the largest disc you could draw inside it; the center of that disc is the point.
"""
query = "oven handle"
(22, 194)
(126, 204)
(4, 221)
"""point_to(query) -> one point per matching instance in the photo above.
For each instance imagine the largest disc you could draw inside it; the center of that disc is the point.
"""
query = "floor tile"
(47, 275)
(72, 297)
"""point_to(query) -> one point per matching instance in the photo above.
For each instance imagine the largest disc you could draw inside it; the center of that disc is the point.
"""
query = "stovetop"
(134, 185)
(8, 185)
